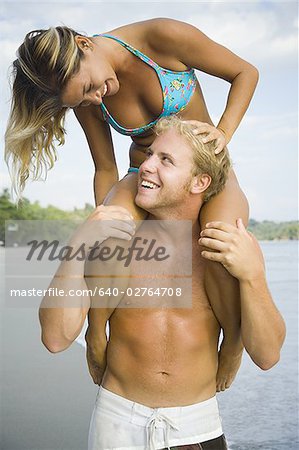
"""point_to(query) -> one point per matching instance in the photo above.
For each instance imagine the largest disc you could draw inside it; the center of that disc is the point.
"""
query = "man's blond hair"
(204, 157)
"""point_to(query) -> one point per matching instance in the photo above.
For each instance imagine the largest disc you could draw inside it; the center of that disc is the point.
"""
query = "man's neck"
(188, 210)
(184, 214)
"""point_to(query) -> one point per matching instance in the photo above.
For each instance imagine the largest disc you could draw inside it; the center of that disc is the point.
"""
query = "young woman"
(128, 78)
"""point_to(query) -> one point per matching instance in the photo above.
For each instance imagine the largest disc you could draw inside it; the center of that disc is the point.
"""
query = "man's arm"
(62, 318)
(262, 326)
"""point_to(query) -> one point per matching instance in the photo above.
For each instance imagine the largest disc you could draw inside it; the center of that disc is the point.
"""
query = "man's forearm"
(262, 326)
(61, 325)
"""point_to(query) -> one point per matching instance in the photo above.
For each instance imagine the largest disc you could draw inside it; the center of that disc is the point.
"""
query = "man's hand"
(106, 222)
(235, 248)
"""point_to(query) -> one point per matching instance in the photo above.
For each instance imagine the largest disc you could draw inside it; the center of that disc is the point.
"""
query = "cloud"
(259, 34)
(272, 126)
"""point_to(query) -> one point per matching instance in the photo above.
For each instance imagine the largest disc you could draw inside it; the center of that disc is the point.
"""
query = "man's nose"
(150, 164)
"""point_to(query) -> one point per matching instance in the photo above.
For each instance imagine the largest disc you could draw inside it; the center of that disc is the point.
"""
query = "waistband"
(204, 414)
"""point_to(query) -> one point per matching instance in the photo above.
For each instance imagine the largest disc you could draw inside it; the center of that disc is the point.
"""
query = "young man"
(158, 388)
(213, 170)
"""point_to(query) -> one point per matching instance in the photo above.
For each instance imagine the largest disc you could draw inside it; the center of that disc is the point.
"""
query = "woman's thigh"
(123, 194)
(227, 206)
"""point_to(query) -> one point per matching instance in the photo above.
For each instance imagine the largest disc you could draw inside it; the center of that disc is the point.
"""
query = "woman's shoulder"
(153, 29)
(160, 34)
(146, 25)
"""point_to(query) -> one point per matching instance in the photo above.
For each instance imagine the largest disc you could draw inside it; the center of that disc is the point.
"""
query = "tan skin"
(177, 46)
(163, 356)
(151, 359)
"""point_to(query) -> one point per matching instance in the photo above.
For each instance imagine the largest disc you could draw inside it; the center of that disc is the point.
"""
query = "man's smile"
(148, 185)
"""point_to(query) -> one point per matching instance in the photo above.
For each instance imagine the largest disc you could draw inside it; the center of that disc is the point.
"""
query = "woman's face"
(95, 80)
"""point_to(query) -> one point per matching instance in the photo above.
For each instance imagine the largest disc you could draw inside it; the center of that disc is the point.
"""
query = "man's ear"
(200, 183)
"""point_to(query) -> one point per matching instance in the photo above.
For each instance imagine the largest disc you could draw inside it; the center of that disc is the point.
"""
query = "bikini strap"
(133, 50)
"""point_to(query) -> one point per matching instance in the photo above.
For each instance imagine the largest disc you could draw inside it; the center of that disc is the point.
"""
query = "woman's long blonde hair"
(46, 60)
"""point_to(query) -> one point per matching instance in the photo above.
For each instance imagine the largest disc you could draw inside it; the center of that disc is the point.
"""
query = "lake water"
(259, 411)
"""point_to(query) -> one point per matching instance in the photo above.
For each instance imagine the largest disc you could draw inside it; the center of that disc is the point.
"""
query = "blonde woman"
(128, 78)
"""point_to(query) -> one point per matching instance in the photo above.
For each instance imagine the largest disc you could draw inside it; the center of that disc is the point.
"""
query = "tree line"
(265, 230)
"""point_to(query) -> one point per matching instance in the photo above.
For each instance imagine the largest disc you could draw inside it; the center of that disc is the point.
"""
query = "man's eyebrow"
(169, 155)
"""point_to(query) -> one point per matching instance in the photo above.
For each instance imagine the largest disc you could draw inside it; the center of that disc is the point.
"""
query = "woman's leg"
(102, 278)
(222, 288)
(122, 194)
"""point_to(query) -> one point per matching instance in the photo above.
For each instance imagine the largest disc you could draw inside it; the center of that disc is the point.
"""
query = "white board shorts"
(120, 424)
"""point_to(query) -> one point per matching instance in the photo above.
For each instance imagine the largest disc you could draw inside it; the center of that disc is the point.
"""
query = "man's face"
(165, 177)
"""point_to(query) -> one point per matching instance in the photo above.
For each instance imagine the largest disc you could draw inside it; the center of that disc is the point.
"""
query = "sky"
(264, 147)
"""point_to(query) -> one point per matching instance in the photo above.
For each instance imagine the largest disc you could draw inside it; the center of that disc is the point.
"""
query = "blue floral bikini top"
(177, 88)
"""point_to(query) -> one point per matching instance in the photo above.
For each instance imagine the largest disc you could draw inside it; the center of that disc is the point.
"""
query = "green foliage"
(266, 230)
(33, 211)
(269, 231)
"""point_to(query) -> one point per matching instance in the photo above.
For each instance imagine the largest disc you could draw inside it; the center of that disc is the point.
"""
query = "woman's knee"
(227, 206)
(123, 194)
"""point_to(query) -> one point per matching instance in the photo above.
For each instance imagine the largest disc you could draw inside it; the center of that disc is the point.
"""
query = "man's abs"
(163, 358)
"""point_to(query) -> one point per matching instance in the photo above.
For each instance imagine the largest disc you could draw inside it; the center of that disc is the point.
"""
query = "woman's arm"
(193, 48)
(100, 143)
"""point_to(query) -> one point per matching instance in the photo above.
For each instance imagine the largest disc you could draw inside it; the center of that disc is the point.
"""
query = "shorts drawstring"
(151, 426)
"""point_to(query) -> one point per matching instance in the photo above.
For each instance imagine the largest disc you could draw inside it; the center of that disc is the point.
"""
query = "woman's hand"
(214, 134)
(235, 248)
